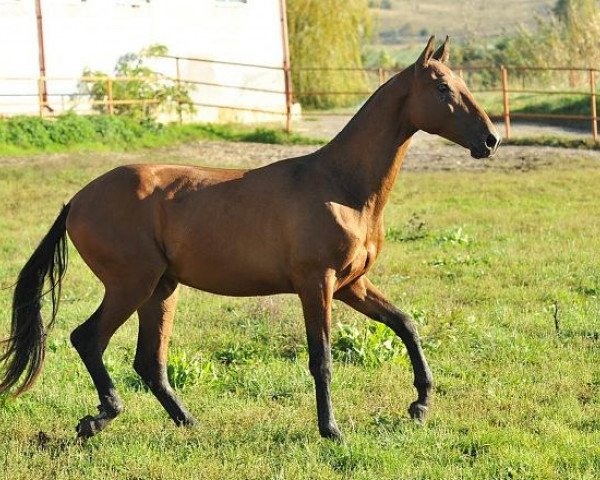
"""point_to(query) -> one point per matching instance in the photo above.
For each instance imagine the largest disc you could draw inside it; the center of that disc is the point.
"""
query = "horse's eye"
(443, 87)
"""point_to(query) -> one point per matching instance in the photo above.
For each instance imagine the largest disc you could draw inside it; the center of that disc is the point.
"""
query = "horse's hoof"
(87, 427)
(331, 432)
(417, 412)
(188, 422)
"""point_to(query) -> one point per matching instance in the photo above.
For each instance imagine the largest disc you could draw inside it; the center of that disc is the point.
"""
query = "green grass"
(26, 135)
(555, 141)
(555, 104)
(538, 103)
(478, 258)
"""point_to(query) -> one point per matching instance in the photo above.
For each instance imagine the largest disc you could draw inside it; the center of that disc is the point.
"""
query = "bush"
(96, 131)
(69, 129)
(161, 93)
(28, 132)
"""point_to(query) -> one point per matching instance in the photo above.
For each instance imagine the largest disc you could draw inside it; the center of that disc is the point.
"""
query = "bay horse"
(311, 225)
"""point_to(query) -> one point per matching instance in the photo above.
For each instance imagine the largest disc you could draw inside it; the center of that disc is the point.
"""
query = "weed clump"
(414, 229)
(184, 371)
(456, 236)
(368, 347)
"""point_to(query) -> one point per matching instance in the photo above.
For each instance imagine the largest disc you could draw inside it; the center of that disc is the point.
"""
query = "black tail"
(25, 349)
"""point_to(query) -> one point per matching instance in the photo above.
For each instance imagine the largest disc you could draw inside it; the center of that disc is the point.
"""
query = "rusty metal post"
(381, 73)
(41, 102)
(41, 53)
(505, 100)
(109, 96)
(593, 97)
(178, 81)
(287, 72)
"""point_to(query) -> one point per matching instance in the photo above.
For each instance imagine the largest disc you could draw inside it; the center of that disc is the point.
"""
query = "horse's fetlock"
(111, 405)
(424, 385)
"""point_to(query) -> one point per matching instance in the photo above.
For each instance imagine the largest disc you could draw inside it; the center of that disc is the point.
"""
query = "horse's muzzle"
(487, 148)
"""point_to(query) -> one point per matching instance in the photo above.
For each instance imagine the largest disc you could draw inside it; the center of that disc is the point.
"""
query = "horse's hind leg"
(156, 325)
(90, 340)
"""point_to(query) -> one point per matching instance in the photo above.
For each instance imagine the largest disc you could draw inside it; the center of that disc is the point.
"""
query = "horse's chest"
(358, 262)
(358, 246)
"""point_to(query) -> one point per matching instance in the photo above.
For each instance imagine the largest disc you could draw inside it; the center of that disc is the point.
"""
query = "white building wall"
(95, 33)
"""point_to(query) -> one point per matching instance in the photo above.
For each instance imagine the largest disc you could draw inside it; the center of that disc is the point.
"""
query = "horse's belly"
(230, 269)
(234, 282)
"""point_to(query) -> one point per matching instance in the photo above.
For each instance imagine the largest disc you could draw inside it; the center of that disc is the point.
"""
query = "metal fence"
(34, 93)
(557, 90)
(500, 89)
(512, 85)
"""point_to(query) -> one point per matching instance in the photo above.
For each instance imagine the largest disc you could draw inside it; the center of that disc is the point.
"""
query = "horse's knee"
(424, 384)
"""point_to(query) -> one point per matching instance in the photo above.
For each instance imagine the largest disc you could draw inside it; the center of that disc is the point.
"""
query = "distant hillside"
(404, 21)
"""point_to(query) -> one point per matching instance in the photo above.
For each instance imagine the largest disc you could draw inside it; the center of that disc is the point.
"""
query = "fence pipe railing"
(287, 72)
(382, 74)
(109, 96)
(505, 101)
(593, 100)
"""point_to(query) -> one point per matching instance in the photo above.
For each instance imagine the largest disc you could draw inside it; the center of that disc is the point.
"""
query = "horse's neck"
(367, 154)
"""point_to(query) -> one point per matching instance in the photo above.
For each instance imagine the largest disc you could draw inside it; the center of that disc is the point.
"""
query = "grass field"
(480, 259)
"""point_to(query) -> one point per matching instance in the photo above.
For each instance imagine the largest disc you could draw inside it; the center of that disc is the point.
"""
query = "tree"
(327, 34)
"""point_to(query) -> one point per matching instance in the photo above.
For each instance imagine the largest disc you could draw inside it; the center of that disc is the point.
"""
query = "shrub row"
(70, 129)
(123, 132)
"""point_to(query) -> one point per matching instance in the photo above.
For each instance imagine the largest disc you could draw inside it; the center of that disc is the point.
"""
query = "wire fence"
(553, 94)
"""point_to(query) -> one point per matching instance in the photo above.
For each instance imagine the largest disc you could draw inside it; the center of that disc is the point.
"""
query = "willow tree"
(327, 34)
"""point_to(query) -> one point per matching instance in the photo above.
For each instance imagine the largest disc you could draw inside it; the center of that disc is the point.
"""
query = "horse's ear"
(443, 53)
(423, 60)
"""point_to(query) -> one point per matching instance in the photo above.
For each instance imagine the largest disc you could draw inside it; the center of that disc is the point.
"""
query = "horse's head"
(440, 103)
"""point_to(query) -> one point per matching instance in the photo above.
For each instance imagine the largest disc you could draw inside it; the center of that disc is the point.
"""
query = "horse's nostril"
(491, 141)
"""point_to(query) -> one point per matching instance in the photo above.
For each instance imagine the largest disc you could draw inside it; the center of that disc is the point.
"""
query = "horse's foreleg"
(156, 325)
(316, 304)
(364, 297)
